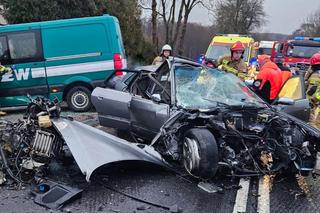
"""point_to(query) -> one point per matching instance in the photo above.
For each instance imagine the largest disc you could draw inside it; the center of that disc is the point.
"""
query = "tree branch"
(147, 8)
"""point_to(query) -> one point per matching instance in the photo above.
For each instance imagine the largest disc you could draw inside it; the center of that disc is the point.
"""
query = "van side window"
(25, 46)
(4, 52)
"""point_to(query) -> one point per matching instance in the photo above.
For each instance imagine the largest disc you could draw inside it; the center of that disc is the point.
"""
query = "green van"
(63, 58)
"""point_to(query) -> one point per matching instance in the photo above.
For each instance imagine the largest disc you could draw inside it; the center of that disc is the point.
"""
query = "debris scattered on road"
(301, 180)
(2, 178)
(142, 207)
(209, 187)
(173, 208)
(54, 195)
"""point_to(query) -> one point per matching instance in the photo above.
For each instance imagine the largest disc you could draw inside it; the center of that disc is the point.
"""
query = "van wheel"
(200, 153)
(78, 99)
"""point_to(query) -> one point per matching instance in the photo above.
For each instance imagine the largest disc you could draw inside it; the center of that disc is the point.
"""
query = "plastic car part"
(2, 178)
(54, 195)
(44, 121)
(209, 187)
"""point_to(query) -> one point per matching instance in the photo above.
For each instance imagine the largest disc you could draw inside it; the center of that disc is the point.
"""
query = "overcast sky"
(284, 16)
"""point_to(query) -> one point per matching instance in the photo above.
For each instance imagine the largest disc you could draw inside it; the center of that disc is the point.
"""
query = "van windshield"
(216, 51)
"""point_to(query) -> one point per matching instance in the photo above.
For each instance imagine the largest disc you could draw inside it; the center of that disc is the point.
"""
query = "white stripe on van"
(73, 69)
(38, 72)
(80, 68)
(74, 56)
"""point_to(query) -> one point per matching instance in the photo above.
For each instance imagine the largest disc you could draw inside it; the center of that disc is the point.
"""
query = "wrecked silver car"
(209, 121)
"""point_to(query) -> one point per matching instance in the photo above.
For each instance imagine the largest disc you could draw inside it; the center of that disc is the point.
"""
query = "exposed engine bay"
(249, 142)
(43, 138)
(29, 145)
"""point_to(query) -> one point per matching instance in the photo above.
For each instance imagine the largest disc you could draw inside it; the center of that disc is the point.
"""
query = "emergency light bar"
(301, 38)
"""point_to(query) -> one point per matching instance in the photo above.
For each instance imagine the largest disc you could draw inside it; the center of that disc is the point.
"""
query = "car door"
(112, 107)
(147, 115)
(294, 89)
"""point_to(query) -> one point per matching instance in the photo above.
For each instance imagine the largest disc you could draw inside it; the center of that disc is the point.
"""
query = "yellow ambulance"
(220, 46)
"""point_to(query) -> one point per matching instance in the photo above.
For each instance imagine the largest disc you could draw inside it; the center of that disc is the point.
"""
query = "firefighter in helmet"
(234, 63)
(166, 51)
(313, 87)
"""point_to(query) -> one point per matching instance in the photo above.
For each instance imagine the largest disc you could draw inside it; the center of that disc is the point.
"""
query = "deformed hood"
(92, 148)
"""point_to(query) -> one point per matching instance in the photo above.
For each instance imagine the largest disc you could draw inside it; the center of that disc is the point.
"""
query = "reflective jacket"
(313, 86)
(158, 60)
(271, 73)
(237, 67)
(4, 69)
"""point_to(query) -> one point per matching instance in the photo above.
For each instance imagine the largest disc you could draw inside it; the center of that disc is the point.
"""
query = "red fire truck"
(297, 52)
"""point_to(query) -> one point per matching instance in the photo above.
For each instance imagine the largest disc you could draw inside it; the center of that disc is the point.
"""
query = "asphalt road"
(105, 192)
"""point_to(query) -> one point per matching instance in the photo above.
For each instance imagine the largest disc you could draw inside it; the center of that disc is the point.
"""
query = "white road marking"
(242, 196)
(264, 196)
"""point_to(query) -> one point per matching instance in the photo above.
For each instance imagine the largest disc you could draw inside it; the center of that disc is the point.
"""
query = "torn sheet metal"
(92, 148)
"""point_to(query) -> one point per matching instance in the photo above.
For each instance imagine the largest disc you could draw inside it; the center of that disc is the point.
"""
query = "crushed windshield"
(302, 51)
(202, 88)
(216, 51)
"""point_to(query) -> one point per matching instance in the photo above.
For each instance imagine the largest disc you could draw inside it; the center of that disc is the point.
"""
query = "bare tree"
(311, 26)
(239, 16)
(166, 12)
(188, 6)
(154, 16)
(174, 16)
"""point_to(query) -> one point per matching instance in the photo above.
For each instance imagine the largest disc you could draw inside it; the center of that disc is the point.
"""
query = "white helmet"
(166, 47)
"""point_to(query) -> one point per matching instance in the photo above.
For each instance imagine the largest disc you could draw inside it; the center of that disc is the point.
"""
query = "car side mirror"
(284, 101)
(249, 83)
(156, 97)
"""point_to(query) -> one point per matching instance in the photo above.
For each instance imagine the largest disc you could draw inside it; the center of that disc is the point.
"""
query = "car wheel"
(78, 99)
(200, 153)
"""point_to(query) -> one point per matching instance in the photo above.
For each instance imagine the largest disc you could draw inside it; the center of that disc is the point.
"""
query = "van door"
(22, 51)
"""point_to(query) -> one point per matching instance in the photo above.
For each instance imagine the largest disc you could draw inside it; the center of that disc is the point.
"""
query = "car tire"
(78, 99)
(200, 153)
